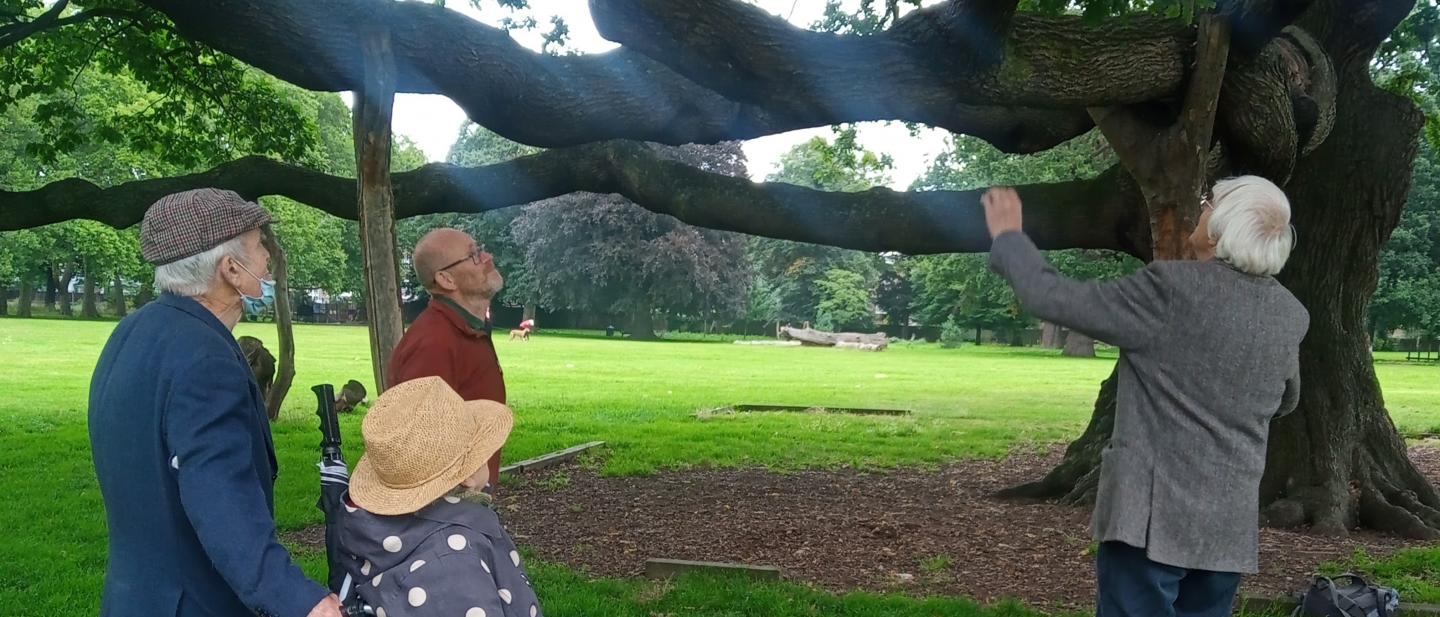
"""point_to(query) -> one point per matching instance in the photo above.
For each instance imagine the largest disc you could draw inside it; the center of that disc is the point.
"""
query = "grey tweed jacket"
(1209, 355)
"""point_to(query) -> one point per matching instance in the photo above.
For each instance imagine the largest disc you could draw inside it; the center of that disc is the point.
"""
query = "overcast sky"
(432, 121)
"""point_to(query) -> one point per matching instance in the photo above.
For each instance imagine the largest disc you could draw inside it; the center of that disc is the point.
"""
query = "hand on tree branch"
(1103, 212)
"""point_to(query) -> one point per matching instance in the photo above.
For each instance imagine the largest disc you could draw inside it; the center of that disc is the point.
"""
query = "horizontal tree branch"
(975, 52)
(553, 101)
(746, 53)
(1106, 212)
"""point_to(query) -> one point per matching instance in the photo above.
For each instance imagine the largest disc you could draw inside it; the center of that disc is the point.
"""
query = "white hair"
(193, 275)
(1251, 221)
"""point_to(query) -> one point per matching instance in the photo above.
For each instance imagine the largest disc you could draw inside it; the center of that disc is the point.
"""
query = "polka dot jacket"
(450, 559)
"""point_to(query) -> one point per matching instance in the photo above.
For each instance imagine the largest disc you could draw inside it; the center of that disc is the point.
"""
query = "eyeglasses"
(473, 256)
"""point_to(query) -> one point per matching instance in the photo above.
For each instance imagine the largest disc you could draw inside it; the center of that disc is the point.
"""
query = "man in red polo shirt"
(451, 338)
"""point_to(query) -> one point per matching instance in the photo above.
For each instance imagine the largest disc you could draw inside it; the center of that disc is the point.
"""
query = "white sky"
(432, 121)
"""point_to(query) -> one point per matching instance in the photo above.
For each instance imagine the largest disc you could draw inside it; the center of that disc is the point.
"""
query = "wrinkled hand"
(329, 607)
(1002, 210)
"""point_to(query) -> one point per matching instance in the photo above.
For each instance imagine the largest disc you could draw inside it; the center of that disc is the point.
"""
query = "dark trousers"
(1131, 585)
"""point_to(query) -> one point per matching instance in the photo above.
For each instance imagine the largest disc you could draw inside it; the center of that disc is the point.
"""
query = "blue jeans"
(1131, 585)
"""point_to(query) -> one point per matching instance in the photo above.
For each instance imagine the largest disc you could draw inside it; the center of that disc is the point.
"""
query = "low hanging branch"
(548, 101)
(750, 55)
(1106, 212)
(741, 72)
(976, 52)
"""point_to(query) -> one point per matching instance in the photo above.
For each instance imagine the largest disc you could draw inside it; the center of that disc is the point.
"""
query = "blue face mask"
(255, 307)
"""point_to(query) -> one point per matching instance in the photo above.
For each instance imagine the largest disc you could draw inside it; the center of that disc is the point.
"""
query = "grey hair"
(1251, 220)
(193, 275)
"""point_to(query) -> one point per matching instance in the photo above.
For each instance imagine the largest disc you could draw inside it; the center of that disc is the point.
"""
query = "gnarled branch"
(536, 99)
(1104, 212)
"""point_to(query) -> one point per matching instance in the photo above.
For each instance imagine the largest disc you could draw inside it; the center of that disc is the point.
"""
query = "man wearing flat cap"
(178, 430)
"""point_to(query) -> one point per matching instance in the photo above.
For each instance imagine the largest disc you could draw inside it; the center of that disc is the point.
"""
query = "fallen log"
(853, 340)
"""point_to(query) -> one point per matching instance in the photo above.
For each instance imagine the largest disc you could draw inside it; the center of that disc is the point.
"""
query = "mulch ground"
(919, 531)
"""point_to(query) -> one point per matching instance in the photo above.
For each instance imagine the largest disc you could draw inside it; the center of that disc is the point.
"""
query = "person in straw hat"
(420, 535)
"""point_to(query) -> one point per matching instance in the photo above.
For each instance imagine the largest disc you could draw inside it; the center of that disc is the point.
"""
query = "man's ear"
(445, 282)
(229, 270)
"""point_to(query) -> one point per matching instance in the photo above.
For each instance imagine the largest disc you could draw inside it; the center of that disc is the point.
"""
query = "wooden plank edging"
(549, 460)
(666, 568)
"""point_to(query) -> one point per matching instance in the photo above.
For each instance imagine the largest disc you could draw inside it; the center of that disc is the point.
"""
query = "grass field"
(640, 397)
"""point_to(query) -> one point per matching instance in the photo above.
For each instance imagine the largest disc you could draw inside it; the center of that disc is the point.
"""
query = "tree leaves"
(185, 102)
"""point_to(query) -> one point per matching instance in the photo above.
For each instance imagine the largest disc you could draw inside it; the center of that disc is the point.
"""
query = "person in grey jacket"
(420, 537)
(1209, 356)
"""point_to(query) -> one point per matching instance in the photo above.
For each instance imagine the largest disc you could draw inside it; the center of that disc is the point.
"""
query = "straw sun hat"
(421, 441)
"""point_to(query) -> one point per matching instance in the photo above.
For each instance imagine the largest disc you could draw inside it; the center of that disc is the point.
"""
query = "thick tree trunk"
(528, 312)
(1051, 336)
(4, 299)
(642, 324)
(117, 297)
(1337, 461)
(145, 295)
(27, 297)
(1078, 345)
(90, 307)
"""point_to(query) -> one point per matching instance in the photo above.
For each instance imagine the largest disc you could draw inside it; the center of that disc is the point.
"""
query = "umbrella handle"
(329, 421)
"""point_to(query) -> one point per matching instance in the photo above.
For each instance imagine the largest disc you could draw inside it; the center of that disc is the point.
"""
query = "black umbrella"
(334, 482)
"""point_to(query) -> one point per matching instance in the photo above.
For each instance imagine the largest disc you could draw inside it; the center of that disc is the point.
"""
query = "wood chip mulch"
(923, 532)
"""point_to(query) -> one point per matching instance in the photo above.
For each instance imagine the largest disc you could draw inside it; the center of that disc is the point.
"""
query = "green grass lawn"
(640, 397)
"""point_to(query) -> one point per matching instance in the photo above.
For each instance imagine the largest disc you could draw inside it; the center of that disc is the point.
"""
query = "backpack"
(1328, 597)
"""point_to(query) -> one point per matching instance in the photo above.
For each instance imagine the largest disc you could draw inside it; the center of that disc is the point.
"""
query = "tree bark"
(1076, 478)
(642, 324)
(90, 308)
(145, 295)
(1169, 159)
(1051, 336)
(1337, 462)
(1078, 345)
(27, 297)
(377, 201)
(284, 326)
(560, 101)
(117, 299)
(65, 298)
(819, 338)
(52, 289)
(1103, 212)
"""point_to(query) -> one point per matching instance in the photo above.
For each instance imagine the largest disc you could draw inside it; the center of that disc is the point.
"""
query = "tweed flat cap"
(185, 224)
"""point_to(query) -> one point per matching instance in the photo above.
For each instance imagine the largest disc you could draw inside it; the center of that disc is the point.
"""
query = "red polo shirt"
(448, 342)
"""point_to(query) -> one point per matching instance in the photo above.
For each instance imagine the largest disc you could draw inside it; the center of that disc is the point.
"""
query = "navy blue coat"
(186, 465)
